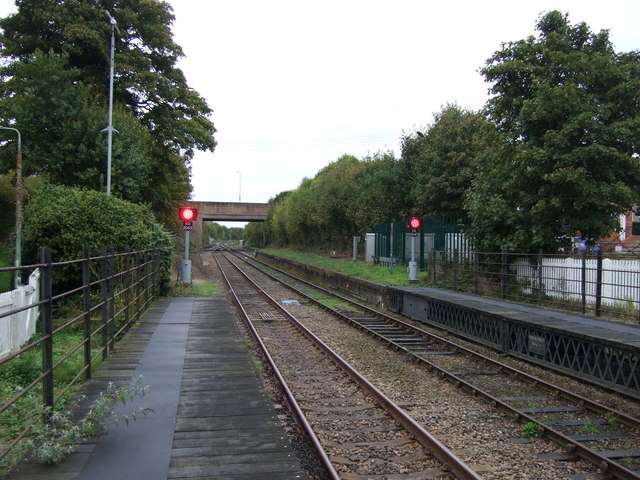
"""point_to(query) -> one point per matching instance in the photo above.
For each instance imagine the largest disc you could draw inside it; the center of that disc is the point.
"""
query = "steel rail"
(300, 418)
(461, 470)
(608, 466)
(588, 403)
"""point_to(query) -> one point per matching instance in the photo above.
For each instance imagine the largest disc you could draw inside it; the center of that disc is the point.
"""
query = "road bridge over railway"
(226, 212)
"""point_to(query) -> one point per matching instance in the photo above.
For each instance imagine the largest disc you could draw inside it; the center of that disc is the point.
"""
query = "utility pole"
(109, 128)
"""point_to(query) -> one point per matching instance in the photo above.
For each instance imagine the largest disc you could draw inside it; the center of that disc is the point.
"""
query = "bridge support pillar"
(196, 236)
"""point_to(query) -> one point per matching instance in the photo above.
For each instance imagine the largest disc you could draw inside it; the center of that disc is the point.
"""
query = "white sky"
(294, 84)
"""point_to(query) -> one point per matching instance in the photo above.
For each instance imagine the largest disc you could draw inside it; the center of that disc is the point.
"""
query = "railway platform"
(592, 348)
(211, 416)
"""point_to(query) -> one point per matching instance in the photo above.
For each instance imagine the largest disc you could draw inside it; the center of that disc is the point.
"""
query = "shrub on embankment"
(67, 219)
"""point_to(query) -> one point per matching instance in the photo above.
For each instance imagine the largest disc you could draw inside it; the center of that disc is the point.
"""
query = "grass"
(398, 276)
(21, 371)
(197, 288)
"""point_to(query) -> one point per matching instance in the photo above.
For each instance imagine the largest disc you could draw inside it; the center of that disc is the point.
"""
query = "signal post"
(188, 215)
(414, 224)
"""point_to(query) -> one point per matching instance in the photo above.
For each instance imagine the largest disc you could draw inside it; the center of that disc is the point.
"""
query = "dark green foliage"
(5, 261)
(255, 234)
(23, 369)
(380, 192)
(316, 213)
(345, 199)
(66, 219)
(165, 243)
(567, 104)
(54, 89)
(443, 160)
(221, 233)
(258, 234)
(7, 206)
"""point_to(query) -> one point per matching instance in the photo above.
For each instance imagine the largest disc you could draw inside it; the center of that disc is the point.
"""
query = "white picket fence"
(17, 328)
(562, 278)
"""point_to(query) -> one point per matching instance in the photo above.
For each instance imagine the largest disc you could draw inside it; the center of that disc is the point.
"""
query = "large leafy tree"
(333, 193)
(379, 192)
(148, 87)
(568, 105)
(443, 159)
(317, 213)
(63, 130)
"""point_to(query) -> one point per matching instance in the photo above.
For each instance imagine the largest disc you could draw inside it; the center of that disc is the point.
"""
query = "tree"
(148, 87)
(335, 189)
(568, 104)
(379, 193)
(48, 103)
(66, 143)
(53, 216)
(260, 234)
(444, 160)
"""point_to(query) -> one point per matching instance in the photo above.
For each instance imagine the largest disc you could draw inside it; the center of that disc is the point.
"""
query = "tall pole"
(110, 123)
(19, 201)
(186, 263)
(239, 187)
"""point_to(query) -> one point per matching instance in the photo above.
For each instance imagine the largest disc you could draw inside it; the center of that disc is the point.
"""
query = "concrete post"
(355, 248)
(186, 263)
(413, 265)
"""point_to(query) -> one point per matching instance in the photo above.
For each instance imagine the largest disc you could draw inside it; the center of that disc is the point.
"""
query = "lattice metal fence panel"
(615, 366)
(470, 323)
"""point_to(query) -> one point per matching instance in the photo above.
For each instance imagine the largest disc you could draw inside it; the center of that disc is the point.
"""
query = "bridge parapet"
(226, 212)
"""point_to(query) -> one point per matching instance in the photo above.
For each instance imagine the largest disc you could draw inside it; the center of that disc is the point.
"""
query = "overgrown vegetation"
(5, 261)
(396, 276)
(532, 429)
(50, 441)
(54, 91)
(197, 288)
(18, 375)
(533, 168)
(21, 371)
(67, 219)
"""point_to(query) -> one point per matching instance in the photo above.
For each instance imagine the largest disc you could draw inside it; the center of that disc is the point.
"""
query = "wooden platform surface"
(212, 418)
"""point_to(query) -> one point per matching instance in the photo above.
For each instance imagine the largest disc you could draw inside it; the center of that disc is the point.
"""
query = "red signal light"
(415, 223)
(188, 214)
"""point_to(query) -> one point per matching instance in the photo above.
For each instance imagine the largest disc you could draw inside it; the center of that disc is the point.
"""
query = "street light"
(239, 187)
(19, 200)
(109, 128)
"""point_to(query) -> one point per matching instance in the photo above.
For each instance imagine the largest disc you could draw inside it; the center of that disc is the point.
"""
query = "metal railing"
(589, 283)
(85, 305)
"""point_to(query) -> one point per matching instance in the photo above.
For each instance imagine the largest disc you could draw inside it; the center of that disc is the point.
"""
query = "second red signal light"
(415, 223)
(188, 214)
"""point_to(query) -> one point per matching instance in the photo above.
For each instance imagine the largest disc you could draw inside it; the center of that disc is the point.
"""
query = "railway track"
(604, 437)
(358, 432)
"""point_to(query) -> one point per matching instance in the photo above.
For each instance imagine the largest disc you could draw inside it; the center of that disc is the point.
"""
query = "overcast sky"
(294, 84)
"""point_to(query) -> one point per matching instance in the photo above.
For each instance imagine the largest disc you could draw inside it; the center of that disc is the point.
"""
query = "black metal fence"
(589, 283)
(396, 242)
(85, 305)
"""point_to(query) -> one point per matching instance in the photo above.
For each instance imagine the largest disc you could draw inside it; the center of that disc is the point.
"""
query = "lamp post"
(109, 128)
(239, 187)
(19, 201)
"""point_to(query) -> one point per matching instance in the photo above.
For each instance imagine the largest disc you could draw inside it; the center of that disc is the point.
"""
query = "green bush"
(165, 242)
(67, 219)
(5, 261)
